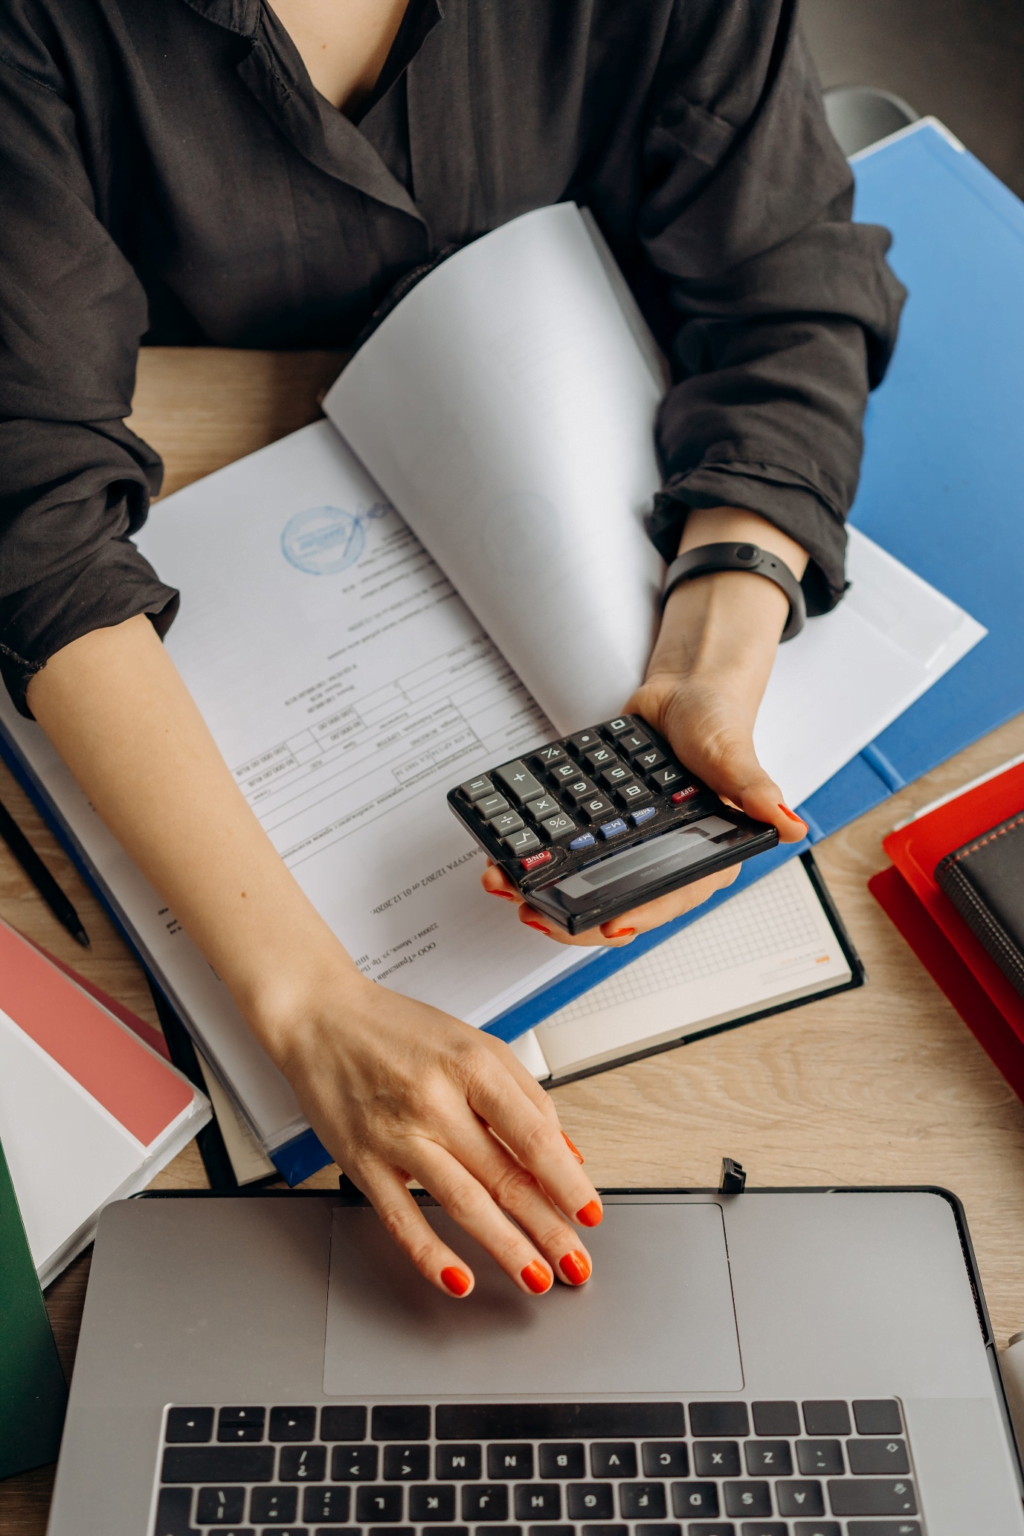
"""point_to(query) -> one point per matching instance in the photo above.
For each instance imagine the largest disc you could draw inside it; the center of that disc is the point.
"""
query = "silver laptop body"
(774, 1363)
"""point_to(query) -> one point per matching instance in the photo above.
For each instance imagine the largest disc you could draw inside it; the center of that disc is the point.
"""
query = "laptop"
(771, 1363)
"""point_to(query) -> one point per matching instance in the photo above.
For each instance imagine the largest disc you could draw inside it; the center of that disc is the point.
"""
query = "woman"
(189, 171)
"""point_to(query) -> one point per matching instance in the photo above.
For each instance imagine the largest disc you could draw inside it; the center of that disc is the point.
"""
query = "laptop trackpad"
(656, 1317)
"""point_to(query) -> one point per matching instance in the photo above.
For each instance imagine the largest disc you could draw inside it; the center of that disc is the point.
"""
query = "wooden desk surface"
(881, 1085)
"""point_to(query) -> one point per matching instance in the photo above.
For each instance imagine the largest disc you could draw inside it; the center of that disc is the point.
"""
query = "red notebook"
(985, 999)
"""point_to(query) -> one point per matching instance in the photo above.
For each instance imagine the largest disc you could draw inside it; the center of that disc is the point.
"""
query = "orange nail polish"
(539, 926)
(575, 1267)
(590, 1215)
(505, 895)
(621, 933)
(793, 816)
(577, 1154)
(537, 1277)
(456, 1280)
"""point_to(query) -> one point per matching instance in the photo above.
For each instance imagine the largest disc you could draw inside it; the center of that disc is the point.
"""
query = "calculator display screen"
(651, 862)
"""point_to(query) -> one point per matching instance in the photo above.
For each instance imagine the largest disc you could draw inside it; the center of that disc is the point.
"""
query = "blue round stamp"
(323, 540)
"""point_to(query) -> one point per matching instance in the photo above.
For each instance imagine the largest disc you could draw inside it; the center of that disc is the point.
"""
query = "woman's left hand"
(704, 684)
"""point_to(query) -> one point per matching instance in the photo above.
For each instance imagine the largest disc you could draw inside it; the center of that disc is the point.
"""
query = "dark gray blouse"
(169, 174)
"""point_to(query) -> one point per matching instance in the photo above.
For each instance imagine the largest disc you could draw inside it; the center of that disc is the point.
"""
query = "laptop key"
(538, 1501)
(463, 1463)
(274, 1506)
(753, 1498)
(800, 1498)
(406, 1463)
(877, 1416)
(665, 1458)
(173, 1511)
(690, 1499)
(240, 1424)
(769, 1458)
(642, 1501)
(562, 1461)
(510, 1461)
(218, 1464)
(764, 1528)
(408, 1421)
(867, 1456)
(615, 1458)
(831, 1528)
(354, 1463)
(702, 1528)
(551, 1530)
(485, 1501)
(379, 1504)
(776, 1418)
(434, 1502)
(292, 1424)
(188, 1426)
(302, 1464)
(873, 1496)
(557, 1421)
(710, 1419)
(659, 1530)
(820, 1456)
(882, 1528)
(826, 1418)
(717, 1458)
(342, 1423)
(590, 1501)
(220, 1506)
(499, 1530)
(622, 1530)
(319, 1504)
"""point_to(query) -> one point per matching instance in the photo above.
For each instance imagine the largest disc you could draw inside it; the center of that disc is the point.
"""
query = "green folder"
(33, 1393)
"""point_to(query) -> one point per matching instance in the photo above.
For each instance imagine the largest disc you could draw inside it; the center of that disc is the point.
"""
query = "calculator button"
(585, 840)
(507, 823)
(619, 774)
(564, 771)
(559, 826)
(519, 781)
(649, 759)
(578, 790)
(523, 842)
(536, 859)
(664, 778)
(613, 828)
(618, 727)
(596, 807)
(645, 814)
(601, 757)
(551, 755)
(545, 806)
(491, 805)
(475, 789)
(633, 741)
(583, 741)
(685, 794)
(632, 794)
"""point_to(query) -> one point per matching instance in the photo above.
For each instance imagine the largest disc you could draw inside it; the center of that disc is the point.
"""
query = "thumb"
(745, 784)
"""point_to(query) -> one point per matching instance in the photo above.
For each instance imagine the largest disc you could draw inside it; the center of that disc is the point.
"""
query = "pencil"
(41, 878)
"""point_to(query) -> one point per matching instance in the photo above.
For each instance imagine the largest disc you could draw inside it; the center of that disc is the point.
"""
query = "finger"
(525, 1080)
(496, 883)
(469, 1203)
(531, 918)
(514, 1189)
(405, 1222)
(536, 1139)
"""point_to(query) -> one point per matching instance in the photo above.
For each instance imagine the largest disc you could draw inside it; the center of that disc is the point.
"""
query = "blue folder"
(940, 487)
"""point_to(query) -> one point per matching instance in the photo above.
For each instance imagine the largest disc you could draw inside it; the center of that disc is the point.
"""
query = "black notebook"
(985, 882)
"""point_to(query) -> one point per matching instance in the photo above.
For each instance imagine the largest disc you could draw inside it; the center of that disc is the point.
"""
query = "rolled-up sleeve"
(75, 482)
(784, 312)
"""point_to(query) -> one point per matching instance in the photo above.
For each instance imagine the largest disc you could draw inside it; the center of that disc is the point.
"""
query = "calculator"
(599, 822)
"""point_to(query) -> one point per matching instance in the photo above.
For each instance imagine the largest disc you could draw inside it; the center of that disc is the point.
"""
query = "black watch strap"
(740, 557)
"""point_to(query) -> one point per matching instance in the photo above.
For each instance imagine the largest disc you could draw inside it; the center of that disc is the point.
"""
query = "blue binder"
(940, 487)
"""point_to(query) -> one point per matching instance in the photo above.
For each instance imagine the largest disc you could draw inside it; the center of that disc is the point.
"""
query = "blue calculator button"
(644, 815)
(587, 840)
(614, 828)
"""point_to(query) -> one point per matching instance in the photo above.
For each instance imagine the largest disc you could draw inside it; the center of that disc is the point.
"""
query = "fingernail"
(575, 1267)
(456, 1280)
(577, 1154)
(505, 895)
(793, 816)
(537, 1278)
(590, 1215)
(620, 933)
(539, 926)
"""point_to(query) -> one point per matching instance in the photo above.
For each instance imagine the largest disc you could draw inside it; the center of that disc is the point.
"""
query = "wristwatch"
(740, 557)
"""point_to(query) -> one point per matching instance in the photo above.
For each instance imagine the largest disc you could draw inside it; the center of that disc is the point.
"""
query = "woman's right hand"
(397, 1090)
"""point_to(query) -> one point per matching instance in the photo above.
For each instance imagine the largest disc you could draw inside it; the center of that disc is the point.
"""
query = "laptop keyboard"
(824, 1468)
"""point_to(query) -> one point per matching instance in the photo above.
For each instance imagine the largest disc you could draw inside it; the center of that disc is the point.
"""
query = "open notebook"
(448, 571)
